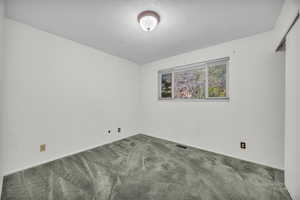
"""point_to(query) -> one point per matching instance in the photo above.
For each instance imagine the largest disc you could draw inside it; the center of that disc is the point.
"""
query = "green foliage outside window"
(217, 81)
(206, 80)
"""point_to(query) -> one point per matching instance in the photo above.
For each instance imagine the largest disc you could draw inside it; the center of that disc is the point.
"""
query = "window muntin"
(199, 81)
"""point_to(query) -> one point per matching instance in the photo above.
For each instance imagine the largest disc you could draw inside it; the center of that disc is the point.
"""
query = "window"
(199, 81)
(166, 86)
(190, 84)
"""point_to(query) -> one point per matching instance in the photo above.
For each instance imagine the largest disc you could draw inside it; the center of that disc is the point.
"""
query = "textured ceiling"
(111, 25)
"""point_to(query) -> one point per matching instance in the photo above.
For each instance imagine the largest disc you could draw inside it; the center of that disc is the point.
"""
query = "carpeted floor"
(146, 168)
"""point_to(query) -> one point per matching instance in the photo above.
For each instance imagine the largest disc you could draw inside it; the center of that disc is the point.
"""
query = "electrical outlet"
(119, 130)
(108, 131)
(42, 147)
(243, 145)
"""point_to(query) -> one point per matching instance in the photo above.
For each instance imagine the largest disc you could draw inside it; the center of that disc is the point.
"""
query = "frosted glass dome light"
(148, 20)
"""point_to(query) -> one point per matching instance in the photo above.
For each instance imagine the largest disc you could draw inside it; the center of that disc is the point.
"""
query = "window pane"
(217, 81)
(190, 84)
(166, 85)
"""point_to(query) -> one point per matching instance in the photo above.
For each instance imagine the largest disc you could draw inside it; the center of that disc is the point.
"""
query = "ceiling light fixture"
(148, 20)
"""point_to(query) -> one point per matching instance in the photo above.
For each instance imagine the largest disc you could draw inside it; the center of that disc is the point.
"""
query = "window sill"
(227, 99)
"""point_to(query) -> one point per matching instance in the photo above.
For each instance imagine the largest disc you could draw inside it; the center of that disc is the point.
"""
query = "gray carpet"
(146, 168)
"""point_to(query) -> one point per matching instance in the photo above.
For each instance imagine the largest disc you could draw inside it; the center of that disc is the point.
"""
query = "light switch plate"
(42, 147)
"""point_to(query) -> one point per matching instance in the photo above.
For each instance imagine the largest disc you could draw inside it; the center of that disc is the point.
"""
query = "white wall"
(67, 95)
(1, 67)
(62, 94)
(292, 112)
(292, 97)
(255, 112)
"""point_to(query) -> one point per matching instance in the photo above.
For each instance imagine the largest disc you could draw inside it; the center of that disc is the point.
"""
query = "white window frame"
(198, 65)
